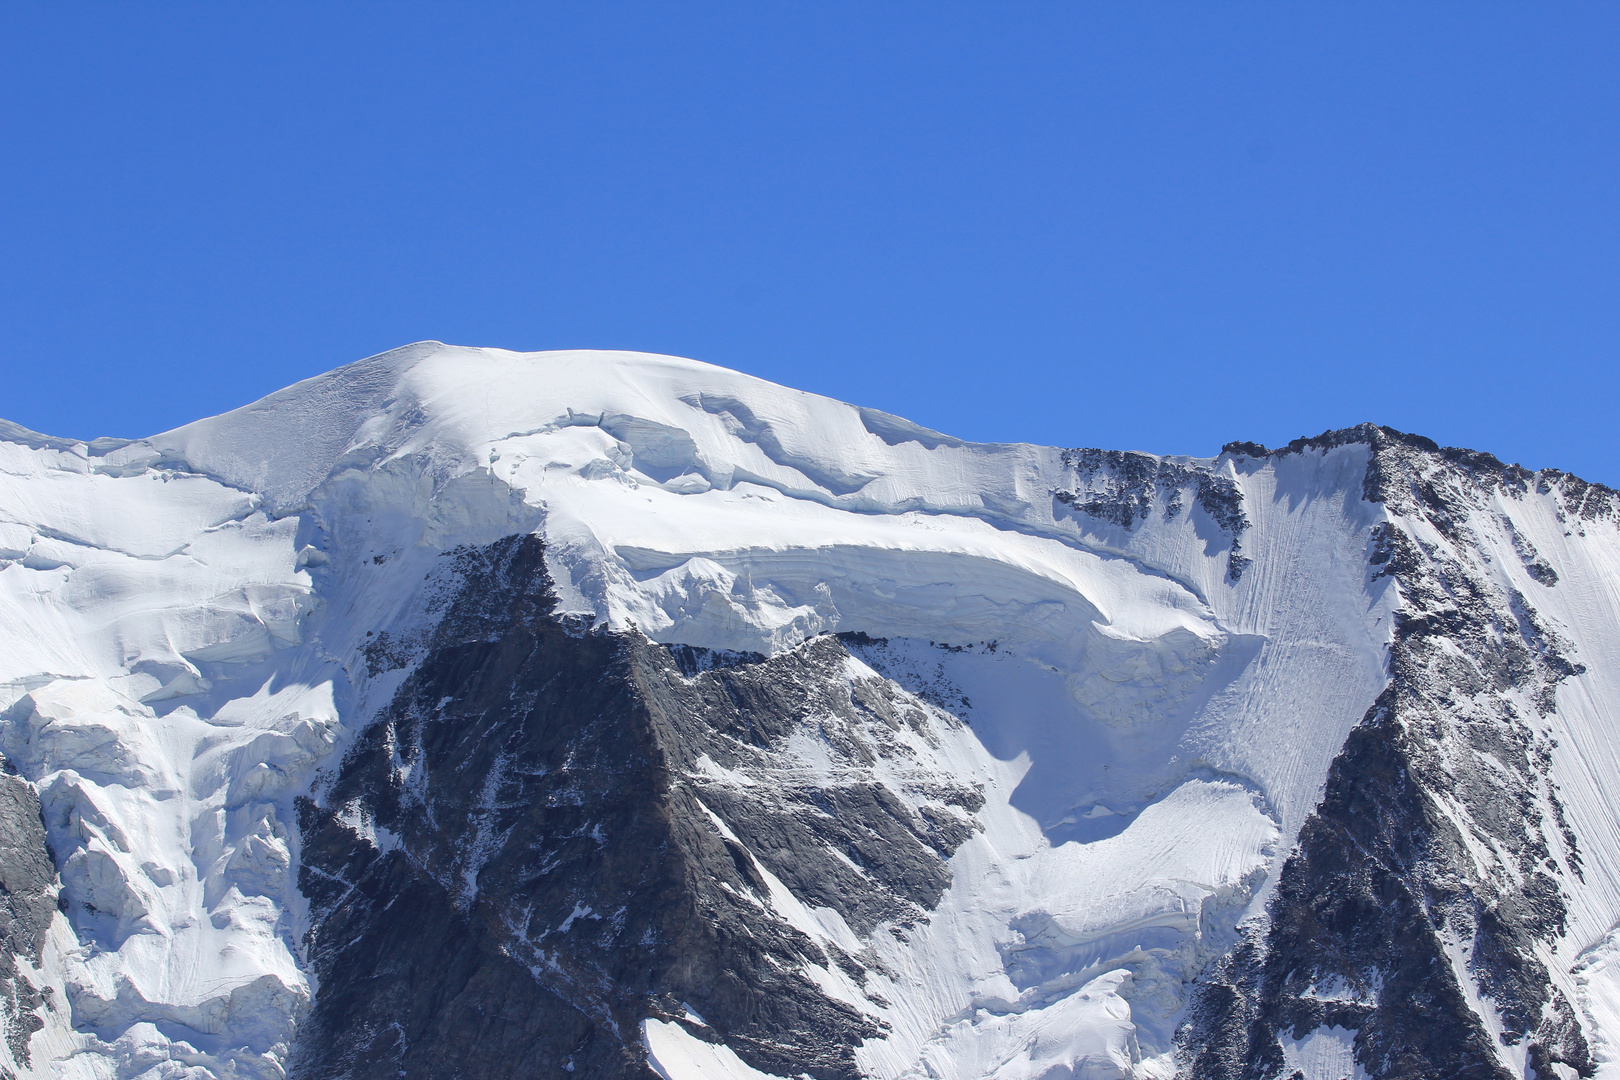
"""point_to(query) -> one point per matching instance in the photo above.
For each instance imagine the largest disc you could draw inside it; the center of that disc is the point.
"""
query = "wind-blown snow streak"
(1159, 660)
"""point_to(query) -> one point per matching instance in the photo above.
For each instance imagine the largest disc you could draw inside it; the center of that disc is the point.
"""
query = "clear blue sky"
(1141, 226)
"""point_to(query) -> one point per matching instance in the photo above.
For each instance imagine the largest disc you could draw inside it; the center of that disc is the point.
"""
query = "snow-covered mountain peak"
(454, 404)
(684, 706)
(649, 471)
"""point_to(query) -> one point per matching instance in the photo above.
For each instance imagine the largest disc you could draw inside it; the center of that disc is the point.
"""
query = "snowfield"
(1153, 689)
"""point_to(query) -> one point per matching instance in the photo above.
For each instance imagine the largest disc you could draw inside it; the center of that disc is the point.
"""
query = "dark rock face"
(27, 904)
(1440, 834)
(543, 842)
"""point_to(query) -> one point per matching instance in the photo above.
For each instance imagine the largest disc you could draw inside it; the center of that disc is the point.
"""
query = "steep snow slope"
(1142, 671)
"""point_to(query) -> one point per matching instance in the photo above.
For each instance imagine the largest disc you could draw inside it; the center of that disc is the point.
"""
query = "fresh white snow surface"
(183, 619)
(1323, 1054)
(674, 1054)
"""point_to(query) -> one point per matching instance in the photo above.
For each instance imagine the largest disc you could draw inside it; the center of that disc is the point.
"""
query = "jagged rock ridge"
(1385, 899)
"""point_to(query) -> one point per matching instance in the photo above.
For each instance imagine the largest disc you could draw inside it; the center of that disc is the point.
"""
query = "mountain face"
(465, 713)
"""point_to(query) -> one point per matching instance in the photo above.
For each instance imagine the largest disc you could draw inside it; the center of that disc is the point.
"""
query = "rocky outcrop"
(553, 834)
(1120, 486)
(1427, 890)
(28, 889)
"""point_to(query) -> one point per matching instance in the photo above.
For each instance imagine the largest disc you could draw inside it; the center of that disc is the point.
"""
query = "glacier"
(1012, 762)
